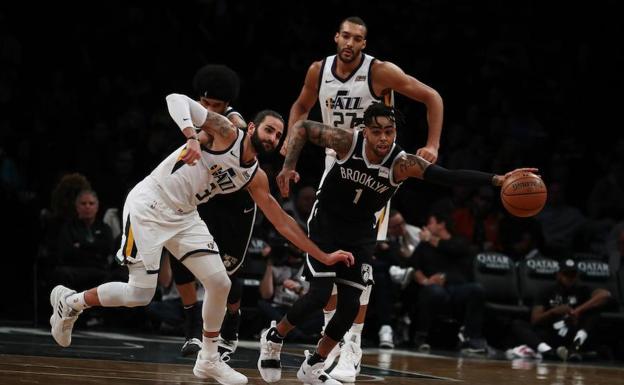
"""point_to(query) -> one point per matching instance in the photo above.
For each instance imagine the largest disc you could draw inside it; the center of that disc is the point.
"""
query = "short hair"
(216, 81)
(379, 109)
(260, 116)
(355, 20)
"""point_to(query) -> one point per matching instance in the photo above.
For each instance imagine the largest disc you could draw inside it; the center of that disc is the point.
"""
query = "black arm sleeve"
(441, 175)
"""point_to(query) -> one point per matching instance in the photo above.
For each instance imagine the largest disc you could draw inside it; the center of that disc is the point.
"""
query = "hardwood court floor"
(30, 356)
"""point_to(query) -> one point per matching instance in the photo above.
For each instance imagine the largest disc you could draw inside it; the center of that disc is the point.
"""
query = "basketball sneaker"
(212, 366)
(191, 346)
(63, 316)
(386, 337)
(333, 354)
(348, 366)
(226, 348)
(314, 374)
(269, 364)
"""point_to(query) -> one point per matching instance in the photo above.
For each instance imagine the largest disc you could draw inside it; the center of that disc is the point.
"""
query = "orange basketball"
(523, 194)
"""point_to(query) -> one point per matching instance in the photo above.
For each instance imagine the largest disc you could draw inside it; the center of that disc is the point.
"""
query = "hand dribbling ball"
(523, 194)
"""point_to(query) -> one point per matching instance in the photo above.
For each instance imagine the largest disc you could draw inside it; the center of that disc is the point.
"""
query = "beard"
(259, 145)
(354, 55)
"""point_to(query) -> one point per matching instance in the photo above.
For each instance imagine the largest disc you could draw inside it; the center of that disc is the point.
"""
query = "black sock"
(230, 326)
(191, 321)
(315, 358)
(274, 336)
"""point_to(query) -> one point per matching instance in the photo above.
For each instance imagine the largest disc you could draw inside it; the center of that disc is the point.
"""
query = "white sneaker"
(400, 275)
(521, 351)
(226, 347)
(314, 374)
(331, 357)
(214, 367)
(63, 316)
(269, 364)
(386, 337)
(349, 363)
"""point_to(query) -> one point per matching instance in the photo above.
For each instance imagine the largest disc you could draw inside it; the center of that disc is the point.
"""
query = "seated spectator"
(85, 246)
(562, 319)
(441, 266)
(281, 286)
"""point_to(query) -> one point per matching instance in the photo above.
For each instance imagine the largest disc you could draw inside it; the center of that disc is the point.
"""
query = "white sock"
(581, 336)
(543, 347)
(355, 333)
(209, 346)
(327, 315)
(76, 301)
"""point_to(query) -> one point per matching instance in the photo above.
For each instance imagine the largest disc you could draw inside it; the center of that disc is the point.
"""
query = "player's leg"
(347, 308)
(187, 288)
(271, 341)
(209, 270)
(228, 339)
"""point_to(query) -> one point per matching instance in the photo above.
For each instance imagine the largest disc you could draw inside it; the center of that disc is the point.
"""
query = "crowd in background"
(522, 86)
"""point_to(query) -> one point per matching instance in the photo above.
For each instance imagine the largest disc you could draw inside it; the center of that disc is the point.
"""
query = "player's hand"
(428, 153)
(500, 179)
(283, 180)
(193, 152)
(340, 256)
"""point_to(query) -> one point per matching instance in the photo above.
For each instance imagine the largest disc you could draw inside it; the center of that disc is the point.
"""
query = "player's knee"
(138, 296)
(217, 283)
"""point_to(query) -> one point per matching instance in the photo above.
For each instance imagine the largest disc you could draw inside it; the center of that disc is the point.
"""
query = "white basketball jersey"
(217, 172)
(343, 101)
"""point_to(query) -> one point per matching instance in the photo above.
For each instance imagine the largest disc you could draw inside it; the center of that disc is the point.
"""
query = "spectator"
(563, 316)
(302, 207)
(85, 246)
(441, 266)
(479, 220)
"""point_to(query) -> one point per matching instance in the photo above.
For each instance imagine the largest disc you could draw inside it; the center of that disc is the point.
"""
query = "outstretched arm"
(287, 226)
(338, 139)
(304, 103)
(188, 113)
(414, 166)
(391, 77)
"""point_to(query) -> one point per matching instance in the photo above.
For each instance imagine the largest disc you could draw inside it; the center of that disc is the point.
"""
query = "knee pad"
(113, 294)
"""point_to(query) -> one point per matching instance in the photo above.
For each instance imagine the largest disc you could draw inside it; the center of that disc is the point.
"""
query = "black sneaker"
(191, 347)
(474, 346)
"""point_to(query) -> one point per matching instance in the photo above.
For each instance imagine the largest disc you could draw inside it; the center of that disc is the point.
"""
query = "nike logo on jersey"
(185, 119)
(233, 154)
(248, 210)
(329, 81)
(357, 157)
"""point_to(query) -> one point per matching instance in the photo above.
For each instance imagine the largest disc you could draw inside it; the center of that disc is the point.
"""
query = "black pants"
(527, 334)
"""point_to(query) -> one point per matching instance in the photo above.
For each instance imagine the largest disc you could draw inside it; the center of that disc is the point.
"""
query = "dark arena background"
(524, 84)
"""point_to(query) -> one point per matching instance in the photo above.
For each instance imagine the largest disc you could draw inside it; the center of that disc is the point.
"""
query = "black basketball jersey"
(354, 189)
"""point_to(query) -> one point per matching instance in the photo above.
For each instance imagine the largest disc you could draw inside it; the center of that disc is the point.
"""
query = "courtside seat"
(497, 273)
(536, 274)
(595, 273)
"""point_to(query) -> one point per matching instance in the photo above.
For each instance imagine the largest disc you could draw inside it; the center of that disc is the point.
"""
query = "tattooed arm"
(338, 139)
(413, 166)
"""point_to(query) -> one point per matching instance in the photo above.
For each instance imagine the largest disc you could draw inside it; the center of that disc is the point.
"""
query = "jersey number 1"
(358, 194)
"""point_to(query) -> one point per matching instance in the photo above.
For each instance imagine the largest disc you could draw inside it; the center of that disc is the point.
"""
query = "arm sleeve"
(185, 111)
(441, 175)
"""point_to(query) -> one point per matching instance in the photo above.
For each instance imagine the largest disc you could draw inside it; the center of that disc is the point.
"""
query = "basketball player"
(345, 84)
(369, 168)
(230, 219)
(161, 211)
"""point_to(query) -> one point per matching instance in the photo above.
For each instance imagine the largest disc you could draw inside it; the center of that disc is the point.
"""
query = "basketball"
(523, 194)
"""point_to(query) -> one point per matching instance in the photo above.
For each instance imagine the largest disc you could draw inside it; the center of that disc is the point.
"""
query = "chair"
(497, 274)
(536, 275)
(595, 273)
